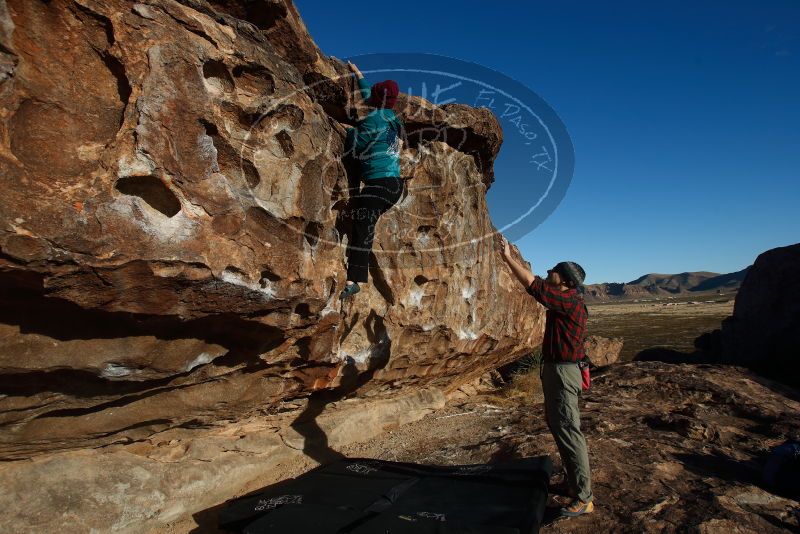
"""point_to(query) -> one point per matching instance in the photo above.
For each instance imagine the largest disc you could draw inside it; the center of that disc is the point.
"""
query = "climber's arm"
(363, 86)
(360, 139)
(366, 91)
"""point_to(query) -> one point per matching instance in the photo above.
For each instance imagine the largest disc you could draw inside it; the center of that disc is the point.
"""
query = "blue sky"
(684, 116)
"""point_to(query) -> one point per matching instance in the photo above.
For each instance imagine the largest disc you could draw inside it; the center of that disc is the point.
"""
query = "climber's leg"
(374, 199)
(364, 217)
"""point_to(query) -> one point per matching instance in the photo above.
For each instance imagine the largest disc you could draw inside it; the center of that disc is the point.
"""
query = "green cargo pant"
(561, 384)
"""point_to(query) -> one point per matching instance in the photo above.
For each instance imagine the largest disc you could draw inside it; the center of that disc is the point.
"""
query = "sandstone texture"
(173, 228)
(154, 482)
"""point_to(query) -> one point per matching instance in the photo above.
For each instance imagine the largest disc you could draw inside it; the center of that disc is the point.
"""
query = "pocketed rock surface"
(174, 205)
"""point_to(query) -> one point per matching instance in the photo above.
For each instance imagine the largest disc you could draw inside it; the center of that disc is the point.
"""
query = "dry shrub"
(525, 386)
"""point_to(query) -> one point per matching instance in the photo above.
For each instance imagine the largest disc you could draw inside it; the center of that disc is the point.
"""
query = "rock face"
(146, 485)
(762, 332)
(172, 233)
(603, 350)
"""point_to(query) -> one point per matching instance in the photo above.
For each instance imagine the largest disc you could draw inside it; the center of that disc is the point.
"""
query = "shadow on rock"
(315, 441)
(765, 374)
(778, 387)
(208, 519)
(724, 467)
(663, 354)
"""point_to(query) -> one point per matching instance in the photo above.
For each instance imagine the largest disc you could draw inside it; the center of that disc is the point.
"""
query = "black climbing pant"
(376, 197)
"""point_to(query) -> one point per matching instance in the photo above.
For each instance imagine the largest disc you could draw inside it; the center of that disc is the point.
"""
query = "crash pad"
(361, 496)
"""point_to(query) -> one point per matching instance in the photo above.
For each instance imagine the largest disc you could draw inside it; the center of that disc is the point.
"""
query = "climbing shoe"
(577, 507)
(349, 291)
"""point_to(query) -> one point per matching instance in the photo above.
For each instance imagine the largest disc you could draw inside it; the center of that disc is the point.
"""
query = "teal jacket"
(375, 141)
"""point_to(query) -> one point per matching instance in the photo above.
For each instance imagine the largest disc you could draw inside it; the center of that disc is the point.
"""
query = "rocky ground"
(674, 448)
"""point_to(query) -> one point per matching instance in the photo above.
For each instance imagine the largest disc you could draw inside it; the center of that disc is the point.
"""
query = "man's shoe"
(577, 507)
(349, 291)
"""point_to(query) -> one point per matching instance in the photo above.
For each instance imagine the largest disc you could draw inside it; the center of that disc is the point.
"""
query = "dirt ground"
(659, 465)
(668, 323)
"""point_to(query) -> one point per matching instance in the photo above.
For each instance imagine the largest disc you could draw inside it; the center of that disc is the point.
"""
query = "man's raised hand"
(503, 247)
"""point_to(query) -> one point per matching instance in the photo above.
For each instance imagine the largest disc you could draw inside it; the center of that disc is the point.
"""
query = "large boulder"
(172, 238)
(762, 332)
(603, 350)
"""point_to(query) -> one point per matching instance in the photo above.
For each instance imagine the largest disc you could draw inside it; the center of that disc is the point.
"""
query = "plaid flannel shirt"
(565, 325)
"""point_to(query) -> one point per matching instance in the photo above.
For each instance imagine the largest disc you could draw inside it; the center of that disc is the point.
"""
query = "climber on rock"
(375, 144)
(562, 351)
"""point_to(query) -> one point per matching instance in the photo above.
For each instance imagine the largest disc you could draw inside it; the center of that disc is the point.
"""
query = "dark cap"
(571, 271)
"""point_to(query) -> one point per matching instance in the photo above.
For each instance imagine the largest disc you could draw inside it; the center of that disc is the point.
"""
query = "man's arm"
(548, 296)
(551, 297)
(524, 276)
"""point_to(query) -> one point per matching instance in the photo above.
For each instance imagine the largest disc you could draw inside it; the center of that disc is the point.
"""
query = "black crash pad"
(363, 496)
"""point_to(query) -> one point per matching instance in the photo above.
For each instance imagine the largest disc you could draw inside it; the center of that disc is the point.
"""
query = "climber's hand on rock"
(354, 69)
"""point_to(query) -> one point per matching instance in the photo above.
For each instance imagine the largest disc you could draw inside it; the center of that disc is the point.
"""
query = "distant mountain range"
(665, 285)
